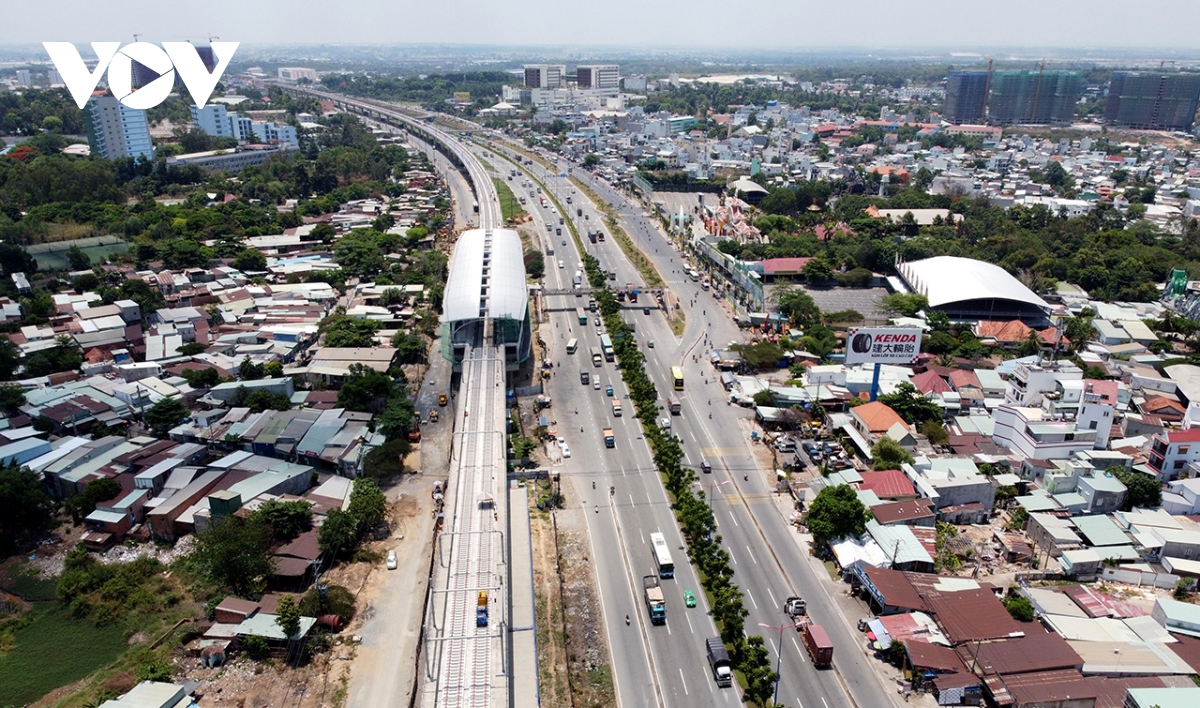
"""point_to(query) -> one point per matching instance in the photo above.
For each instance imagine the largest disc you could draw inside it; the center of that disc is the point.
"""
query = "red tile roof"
(888, 484)
(1012, 331)
(930, 382)
(1181, 436)
(772, 266)
(960, 378)
(901, 511)
(877, 417)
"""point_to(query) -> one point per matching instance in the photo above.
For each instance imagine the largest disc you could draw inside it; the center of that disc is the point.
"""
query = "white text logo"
(165, 61)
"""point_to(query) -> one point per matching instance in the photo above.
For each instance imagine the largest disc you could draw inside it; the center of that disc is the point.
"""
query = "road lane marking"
(773, 647)
(800, 653)
(798, 703)
(823, 701)
(731, 556)
(689, 621)
(774, 602)
(751, 555)
(732, 516)
(751, 598)
(684, 681)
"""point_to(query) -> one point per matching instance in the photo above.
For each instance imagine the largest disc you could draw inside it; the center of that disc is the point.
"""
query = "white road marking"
(797, 644)
(798, 703)
(631, 504)
(751, 598)
(774, 602)
(689, 621)
(684, 681)
(735, 523)
(773, 647)
(823, 701)
(731, 556)
(751, 555)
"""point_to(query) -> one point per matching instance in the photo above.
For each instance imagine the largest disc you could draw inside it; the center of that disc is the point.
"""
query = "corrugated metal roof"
(505, 290)
(949, 279)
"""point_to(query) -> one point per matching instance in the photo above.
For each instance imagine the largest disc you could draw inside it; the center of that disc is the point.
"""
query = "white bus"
(661, 556)
(572, 345)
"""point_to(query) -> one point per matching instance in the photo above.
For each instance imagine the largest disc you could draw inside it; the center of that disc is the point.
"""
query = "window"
(1092, 425)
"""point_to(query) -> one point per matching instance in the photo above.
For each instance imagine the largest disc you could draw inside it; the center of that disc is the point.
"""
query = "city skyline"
(668, 23)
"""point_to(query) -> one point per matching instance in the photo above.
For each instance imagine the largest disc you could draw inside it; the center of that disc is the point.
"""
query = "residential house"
(1172, 451)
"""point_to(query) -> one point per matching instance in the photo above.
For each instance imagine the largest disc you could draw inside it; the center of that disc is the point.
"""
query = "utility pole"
(778, 658)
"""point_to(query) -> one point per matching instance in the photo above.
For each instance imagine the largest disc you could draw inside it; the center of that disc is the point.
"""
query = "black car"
(645, 310)
(564, 242)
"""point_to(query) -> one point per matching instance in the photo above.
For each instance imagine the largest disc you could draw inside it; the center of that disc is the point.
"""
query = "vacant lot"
(34, 664)
(53, 256)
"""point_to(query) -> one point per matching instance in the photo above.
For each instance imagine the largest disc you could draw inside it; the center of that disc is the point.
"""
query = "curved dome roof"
(950, 279)
(504, 296)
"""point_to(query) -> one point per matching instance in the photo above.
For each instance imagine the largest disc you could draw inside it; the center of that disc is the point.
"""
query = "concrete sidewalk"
(522, 629)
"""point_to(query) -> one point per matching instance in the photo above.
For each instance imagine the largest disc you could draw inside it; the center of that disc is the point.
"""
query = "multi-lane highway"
(768, 561)
(665, 665)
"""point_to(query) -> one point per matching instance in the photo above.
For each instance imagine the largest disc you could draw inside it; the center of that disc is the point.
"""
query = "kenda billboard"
(172, 57)
(883, 345)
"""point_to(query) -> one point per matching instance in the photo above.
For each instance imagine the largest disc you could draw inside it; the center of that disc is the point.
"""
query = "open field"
(53, 256)
(35, 665)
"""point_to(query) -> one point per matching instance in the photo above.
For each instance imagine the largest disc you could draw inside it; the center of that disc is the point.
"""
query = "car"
(596, 320)
(651, 344)
(566, 450)
(562, 442)
(608, 390)
(645, 310)
(564, 240)
(596, 385)
(689, 598)
(391, 560)
(561, 264)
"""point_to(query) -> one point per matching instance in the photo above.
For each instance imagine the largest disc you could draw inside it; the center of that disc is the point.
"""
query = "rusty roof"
(1036, 651)
(895, 588)
(974, 615)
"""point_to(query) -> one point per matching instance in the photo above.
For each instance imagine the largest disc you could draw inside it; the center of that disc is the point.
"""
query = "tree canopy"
(837, 513)
(1141, 490)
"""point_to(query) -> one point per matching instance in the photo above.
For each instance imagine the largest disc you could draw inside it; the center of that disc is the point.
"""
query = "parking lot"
(864, 300)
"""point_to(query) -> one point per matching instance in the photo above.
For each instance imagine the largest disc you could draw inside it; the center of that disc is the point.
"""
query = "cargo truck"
(818, 645)
(673, 406)
(655, 602)
(633, 294)
(718, 661)
(616, 407)
(609, 440)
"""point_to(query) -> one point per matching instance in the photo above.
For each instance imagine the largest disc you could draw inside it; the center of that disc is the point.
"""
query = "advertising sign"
(883, 345)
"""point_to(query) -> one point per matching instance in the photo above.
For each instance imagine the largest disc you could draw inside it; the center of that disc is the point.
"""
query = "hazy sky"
(749, 24)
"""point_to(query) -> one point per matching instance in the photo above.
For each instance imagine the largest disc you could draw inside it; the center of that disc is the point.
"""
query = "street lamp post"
(710, 487)
(778, 658)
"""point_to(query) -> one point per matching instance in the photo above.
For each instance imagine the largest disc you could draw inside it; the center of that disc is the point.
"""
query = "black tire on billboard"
(861, 343)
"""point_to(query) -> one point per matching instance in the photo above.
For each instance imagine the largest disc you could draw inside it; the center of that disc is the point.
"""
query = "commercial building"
(115, 130)
(598, 76)
(1034, 97)
(231, 161)
(966, 95)
(1152, 101)
(545, 76)
(968, 289)
(295, 73)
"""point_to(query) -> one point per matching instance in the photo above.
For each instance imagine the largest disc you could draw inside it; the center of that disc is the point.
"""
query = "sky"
(706, 24)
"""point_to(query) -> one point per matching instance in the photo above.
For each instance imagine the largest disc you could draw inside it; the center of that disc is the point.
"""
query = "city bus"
(661, 556)
(581, 315)
(572, 345)
(677, 377)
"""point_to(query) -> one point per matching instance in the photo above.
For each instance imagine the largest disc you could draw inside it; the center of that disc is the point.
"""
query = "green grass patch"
(53, 650)
(53, 256)
(510, 206)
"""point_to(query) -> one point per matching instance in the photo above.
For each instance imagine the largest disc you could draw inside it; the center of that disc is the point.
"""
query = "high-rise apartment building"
(598, 76)
(115, 130)
(966, 94)
(213, 120)
(545, 76)
(1036, 96)
(24, 78)
(1152, 100)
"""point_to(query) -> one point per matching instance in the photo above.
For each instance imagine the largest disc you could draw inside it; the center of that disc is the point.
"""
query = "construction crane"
(1164, 62)
(987, 87)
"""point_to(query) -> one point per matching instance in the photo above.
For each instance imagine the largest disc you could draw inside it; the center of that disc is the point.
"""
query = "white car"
(566, 450)
(596, 384)
(391, 560)
(562, 442)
